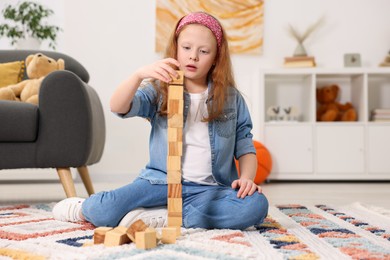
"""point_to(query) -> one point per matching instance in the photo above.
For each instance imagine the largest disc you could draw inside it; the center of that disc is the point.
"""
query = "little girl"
(217, 129)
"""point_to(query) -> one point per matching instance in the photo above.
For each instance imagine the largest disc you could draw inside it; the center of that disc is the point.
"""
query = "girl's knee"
(262, 207)
(258, 208)
(253, 212)
(99, 214)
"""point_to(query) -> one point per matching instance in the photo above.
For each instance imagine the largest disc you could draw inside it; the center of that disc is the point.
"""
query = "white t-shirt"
(196, 164)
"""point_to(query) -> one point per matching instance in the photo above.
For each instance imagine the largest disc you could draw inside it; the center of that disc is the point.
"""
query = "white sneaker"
(68, 210)
(153, 217)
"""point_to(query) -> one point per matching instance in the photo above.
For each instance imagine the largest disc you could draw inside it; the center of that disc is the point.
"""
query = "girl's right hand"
(161, 70)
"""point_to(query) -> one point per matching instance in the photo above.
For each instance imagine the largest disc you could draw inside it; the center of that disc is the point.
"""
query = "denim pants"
(204, 206)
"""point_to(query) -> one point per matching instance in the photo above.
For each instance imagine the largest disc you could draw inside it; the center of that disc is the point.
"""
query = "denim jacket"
(230, 135)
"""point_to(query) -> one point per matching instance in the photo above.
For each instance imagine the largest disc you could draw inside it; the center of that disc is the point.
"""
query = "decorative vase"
(300, 50)
(28, 43)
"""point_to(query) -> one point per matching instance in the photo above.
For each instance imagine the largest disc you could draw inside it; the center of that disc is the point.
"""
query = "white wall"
(113, 38)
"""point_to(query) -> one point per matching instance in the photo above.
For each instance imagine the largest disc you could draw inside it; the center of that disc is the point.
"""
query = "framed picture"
(242, 20)
(352, 60)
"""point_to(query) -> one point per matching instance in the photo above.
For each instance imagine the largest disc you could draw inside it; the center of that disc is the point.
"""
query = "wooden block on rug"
(174, 220)
(146, 239)
(169, 235)
(137, 226)
(116, 237)
(99, 234)
(89, 243)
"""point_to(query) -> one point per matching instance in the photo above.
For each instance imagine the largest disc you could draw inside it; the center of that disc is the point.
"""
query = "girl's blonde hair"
(220, 74)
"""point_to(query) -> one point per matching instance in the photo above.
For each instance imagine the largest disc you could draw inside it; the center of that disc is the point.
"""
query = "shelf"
(378, 92)
(351, 89)
(288, 93)
(325, 150)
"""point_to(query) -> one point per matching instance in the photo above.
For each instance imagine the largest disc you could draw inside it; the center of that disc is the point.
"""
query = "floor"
(309, 193)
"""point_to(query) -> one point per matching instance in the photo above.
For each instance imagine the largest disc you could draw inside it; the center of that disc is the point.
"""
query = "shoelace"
(73, 213)
(156, 222)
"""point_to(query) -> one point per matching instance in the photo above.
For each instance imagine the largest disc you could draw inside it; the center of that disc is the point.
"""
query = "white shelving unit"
(305, 149)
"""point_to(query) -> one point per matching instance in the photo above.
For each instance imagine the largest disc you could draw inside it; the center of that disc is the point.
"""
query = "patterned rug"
(289, 232)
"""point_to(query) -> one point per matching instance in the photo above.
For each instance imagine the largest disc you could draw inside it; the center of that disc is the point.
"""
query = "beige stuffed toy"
(37, 67)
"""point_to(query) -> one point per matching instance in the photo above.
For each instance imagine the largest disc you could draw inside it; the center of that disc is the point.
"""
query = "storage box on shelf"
(309, 150)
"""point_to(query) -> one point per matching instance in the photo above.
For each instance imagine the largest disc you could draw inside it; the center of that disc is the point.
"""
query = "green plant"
(26, 19)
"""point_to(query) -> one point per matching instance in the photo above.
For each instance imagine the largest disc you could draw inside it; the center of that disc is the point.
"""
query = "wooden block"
(175, 205)
(173, 163)
(175, 215)
(179, 80)
(175, 92)
(158, 236)
(173, 176)
(99, 234)
(175, 221)
(116, 237)
(146, 239)
(175, 106)
(137, 226)
(89, 243)
(175, 148)
(169, 235)
(175, 120)
(174, 190)
(175, 134)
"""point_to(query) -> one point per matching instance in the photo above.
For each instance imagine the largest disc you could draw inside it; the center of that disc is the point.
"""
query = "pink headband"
(203, 19)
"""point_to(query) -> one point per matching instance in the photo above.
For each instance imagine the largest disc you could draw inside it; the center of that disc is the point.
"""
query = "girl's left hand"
(247, 187)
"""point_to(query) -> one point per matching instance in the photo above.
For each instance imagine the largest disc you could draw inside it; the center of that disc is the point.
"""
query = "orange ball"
(264, 163)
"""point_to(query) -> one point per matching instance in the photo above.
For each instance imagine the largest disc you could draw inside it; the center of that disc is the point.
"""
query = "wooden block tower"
(138, 232)
(175, 149)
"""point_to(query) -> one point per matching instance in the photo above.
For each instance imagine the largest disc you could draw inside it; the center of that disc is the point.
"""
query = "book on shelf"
(381, 120)
(381, 111)
(386, 116)
(299, 58)
(380, 115)
(299, 62)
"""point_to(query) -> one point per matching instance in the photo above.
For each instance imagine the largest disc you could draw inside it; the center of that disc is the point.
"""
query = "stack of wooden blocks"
(175, 150)
(139, 232)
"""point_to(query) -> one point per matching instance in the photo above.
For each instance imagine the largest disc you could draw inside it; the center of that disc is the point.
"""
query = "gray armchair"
(65, 130)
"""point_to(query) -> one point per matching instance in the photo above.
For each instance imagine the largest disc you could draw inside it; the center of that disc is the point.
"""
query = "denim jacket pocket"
(225, 123)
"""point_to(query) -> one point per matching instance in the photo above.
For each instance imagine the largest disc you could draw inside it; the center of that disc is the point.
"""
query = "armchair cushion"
(11, 73)
(19, 122)
(70, 63)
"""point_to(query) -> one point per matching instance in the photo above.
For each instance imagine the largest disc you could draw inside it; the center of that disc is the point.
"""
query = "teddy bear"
(37, 67)
(331, 110)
